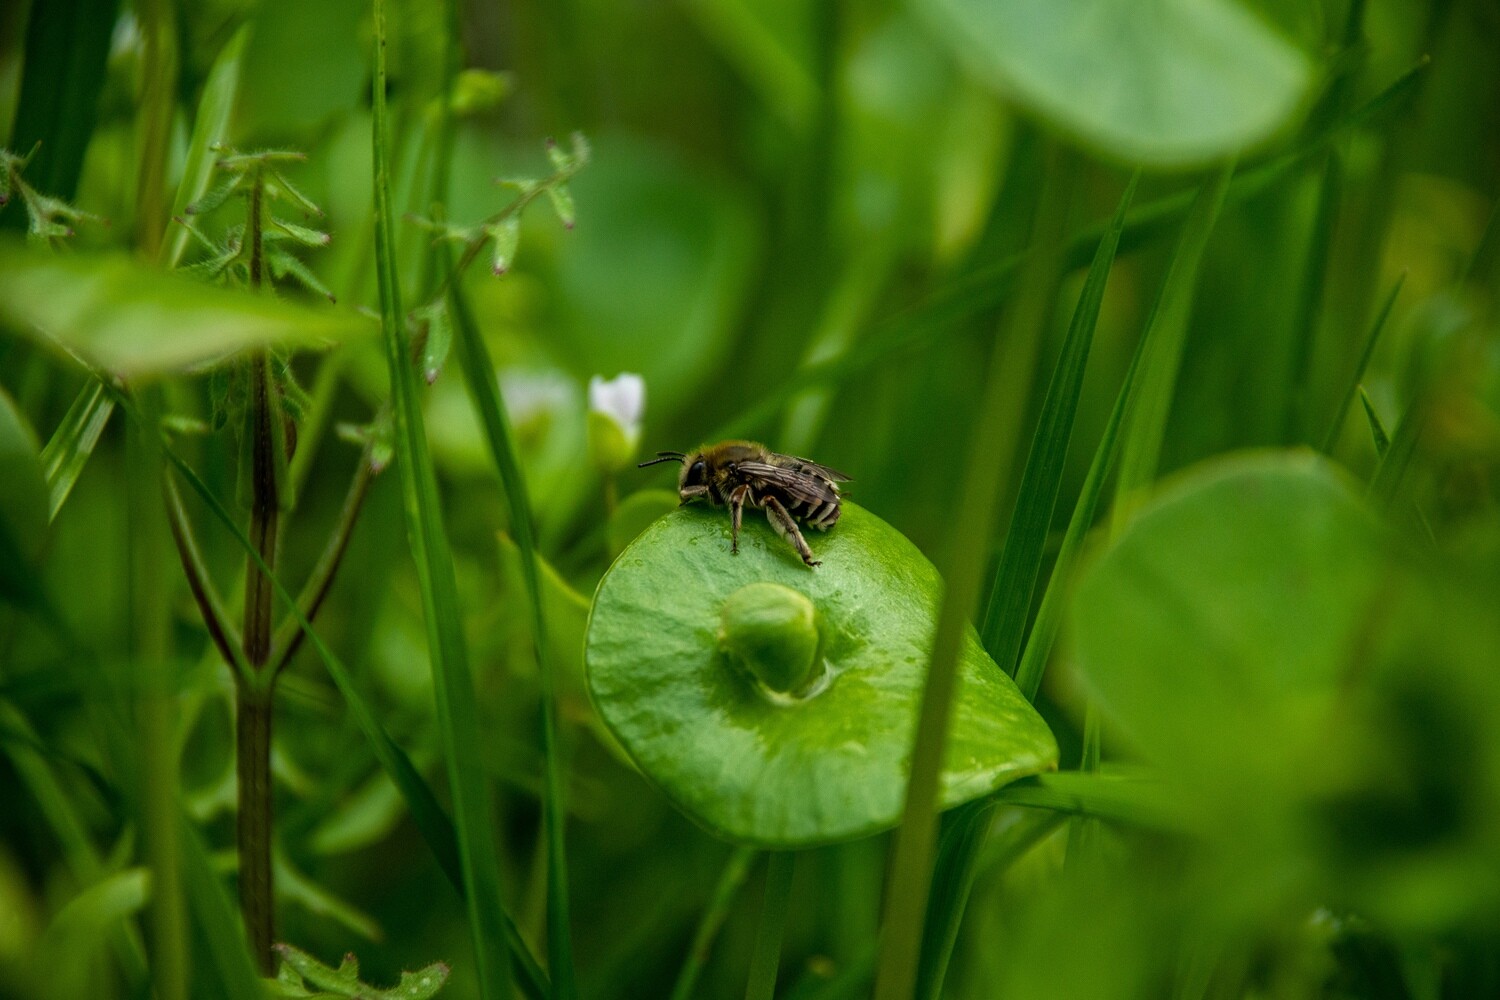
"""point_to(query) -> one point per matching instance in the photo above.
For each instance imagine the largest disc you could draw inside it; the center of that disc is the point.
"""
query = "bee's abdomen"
(816, 514)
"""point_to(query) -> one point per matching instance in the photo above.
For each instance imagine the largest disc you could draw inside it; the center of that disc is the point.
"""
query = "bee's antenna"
(664, 456)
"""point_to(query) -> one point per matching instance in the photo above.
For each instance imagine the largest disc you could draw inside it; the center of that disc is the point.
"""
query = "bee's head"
(694, 472)
(692, 480)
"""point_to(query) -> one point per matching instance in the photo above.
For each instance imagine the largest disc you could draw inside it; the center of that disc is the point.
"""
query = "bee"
(787, 488)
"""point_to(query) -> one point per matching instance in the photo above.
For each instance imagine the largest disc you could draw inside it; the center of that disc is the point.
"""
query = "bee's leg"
(690, 493)
(737, 498)
(786, 527)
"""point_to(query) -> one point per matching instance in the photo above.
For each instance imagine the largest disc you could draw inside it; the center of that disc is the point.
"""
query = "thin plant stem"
(290, 636)
(221, 630)
(766, 958)
(728, 886)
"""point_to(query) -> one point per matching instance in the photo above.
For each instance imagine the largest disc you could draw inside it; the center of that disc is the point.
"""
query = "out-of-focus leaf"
(635, 514)
(1242, 588)
(134, 320)
(67, 45)
(321, 902)
(1170, 83)
(23, 508)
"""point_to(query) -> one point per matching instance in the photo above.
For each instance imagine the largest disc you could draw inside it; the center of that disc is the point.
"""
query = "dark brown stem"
(289, 637)
(254, 691)
(253, 831)
(226, 640)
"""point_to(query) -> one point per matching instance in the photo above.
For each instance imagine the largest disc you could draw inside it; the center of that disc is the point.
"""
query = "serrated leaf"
(555, 153)
(507, 236)
(214, 198)
(562, 204)
(344, 981)
(284, 265)
(302, 234)
(290, 191)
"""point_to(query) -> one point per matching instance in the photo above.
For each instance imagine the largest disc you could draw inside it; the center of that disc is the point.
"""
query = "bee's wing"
(808, 465)
(806, 486)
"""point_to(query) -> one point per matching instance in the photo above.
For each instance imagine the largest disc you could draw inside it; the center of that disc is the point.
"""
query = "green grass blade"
(210, 127)
(985, 287)
(218, 919)
(1331, 438)
(963, 834)
(765, 959)
(1021, 560)
(1396, 460)
(1049, 614)
(427, 814)
(1123, 798)
(1378, 433)
(479, 375)
(73, 442)
(991, 447)
(1166, 333)
(728, 886)
(453, 686)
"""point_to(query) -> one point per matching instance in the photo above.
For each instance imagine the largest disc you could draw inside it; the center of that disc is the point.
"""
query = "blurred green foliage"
(807, 223)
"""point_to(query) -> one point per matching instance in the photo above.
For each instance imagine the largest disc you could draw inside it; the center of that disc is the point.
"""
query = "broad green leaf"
(788, 771)
(134, 320)
(1170, 83)
(1225, 613)
(635, 514)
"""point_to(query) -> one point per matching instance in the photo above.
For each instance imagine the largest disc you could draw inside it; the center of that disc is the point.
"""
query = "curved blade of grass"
(428, 815)
(1122, 798)
(1358, 375)
(964, 831)
(1021, 560)
(728, 886)
(210, 127)
(73, 442)
(1049, 615)
(1378, 433)
(1396, 460)
(484, 390)
(987, 286)
(1166, 334)
(453, 686)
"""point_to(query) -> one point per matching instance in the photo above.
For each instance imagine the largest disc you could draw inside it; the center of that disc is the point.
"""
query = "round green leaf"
(1170, 83)
(1216, 629)
(782, 770)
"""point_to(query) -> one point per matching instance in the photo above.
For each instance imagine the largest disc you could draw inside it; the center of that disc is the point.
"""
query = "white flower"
(615, 411)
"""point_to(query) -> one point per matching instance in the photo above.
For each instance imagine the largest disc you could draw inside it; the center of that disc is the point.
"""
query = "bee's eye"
(696, 474)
